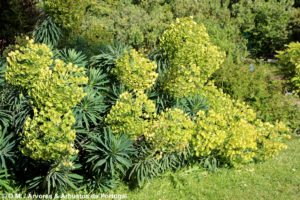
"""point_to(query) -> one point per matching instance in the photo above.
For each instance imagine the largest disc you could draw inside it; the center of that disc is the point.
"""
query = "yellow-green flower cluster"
(131, 114)
(210, 133)
(171, 131)
(134, 115)
(27, 64)
(241, 144)
(223, 103)
(236, 141)
(270, 139)
(231, 131)
(48, 135)
(192, 56)
(67, 13)
(61, 88)
(290, 58)
(135, 71)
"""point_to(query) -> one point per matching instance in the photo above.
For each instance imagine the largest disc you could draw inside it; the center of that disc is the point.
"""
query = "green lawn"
(278, 178)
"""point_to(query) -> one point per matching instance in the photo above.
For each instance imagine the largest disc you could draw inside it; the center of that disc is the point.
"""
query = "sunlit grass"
(278, 178)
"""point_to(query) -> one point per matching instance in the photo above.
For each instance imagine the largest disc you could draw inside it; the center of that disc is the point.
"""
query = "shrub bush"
(68, 14)
(59, 179)
(222, 27)
(192, 105)
(290, 61)
(171, 131)
(72, 56)
(131, 115)
(248, 82)
(54, 92)
(135, 24)
(7, 154)
(135, 71)
(129, 118)
(220, 132)
(187, 46)
(260, 86)
(109, 154)
(264, 24)
(94, 31)
(47, 32)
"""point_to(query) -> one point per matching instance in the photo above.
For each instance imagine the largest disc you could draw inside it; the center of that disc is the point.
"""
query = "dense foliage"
(290, 60)
(68, 14)
(54, 92)
(171, 131)
(47, 32)
(192, 57)
(122, 91)
(130, 114)
(232, 131)
(259, 85)
(264, 24)
(16, 17)
(134, 71)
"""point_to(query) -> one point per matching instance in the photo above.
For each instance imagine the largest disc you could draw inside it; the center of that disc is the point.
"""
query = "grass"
(275, 179)
(278, 178)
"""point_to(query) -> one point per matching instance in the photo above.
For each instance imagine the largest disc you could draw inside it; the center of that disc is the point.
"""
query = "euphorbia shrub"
(171, 131)
(290, 61)
(228, 130)
(55, 88)
(135, 71)
(192, 56)
(231, 131)
(134, 115)
(131, 114)
(67, 13)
